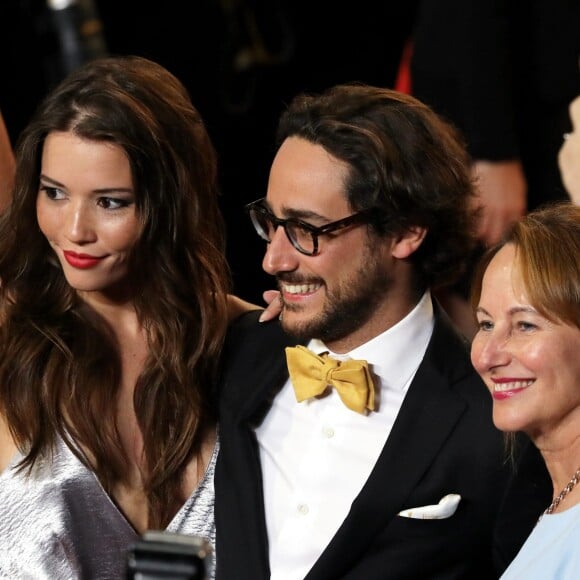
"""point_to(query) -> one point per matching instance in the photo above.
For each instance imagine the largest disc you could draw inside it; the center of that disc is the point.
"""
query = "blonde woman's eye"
(485, 325)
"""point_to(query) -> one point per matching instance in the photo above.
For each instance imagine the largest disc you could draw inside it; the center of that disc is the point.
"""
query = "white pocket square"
(444, 509)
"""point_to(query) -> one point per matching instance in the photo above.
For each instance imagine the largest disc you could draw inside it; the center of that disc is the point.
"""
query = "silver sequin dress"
(59, 524)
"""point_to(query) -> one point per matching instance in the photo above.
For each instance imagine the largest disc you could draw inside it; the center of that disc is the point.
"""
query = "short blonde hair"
(547, 244)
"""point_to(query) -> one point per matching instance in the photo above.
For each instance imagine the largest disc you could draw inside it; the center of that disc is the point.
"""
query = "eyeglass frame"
(258, 206)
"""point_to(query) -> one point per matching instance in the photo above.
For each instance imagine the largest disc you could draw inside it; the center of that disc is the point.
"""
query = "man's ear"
(408, 242)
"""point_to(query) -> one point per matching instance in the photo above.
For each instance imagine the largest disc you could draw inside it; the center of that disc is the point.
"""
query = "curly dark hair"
(404, 160)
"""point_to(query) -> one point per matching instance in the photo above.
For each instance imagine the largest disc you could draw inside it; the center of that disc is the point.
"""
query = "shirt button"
(303, 508)
(328, 432)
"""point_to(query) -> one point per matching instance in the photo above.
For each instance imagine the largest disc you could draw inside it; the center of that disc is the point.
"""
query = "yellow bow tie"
(312, 374)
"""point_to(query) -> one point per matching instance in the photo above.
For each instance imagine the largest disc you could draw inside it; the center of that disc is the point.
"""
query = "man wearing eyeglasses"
(372, 455)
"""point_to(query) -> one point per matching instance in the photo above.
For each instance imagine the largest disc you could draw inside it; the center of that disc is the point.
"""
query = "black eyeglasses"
(303, 236)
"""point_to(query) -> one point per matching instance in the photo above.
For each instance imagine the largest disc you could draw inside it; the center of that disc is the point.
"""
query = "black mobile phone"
(165, 555)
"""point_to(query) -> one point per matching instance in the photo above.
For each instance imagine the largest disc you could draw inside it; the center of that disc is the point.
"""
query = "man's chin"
(296, 325)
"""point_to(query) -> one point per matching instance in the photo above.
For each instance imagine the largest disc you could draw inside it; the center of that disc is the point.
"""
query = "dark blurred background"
(241, 61)
(503, 71)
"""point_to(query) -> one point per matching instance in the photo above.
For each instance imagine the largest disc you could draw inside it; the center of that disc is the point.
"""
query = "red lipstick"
(519, 385)
(82, 261)
(502, 395)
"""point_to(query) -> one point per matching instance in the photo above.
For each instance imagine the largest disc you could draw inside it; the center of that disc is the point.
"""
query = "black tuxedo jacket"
(443, 441)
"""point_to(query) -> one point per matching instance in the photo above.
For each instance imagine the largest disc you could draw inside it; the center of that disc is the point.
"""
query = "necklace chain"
(558, 499)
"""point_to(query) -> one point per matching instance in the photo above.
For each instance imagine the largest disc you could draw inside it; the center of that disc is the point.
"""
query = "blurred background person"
(504, 72)
(569, 155)
(6, 164)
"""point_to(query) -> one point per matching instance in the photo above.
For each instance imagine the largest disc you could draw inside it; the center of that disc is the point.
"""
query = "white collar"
(395, 354)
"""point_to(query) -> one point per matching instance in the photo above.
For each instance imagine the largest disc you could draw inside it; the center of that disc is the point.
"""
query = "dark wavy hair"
(60, 368)
(404, 160)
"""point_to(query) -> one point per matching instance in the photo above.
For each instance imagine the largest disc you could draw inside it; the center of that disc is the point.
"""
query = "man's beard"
(348, 307)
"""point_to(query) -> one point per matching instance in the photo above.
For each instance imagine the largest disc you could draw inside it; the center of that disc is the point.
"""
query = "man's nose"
(281, 255)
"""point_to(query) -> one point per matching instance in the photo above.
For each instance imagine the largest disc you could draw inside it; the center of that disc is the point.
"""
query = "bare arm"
(7, 446)
(7, 165)
(569, 155)
(502, 194)
(237, 306)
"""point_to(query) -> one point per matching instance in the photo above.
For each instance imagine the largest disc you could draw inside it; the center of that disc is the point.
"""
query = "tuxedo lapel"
(427, 417)
(254, 370)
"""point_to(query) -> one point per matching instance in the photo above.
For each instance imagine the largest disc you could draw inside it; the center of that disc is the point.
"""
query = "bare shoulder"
(7, 445)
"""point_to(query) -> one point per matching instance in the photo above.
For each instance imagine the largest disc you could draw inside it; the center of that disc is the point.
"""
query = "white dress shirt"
(317, 455)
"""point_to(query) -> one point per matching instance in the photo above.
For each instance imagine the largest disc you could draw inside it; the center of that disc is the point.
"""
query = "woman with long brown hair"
(113, 310)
